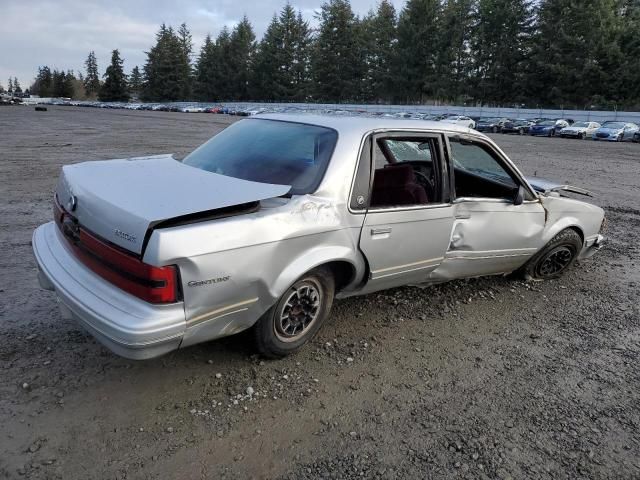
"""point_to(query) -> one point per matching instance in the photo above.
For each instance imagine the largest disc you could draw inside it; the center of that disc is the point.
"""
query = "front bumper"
(592, 245)
(123, 323)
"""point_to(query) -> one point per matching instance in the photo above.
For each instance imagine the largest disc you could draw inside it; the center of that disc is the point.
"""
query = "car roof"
(362, 125)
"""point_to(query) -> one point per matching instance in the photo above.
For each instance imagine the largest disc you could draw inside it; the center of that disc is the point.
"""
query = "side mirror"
(519, 196)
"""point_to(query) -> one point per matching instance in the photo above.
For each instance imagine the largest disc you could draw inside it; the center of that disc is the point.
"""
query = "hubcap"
(556, 261)
(299, 311)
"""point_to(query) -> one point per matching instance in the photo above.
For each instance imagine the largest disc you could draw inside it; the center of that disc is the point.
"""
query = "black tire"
(555, 258)
(275, 333)
(521, 131)
(494, 130)
(583, 136)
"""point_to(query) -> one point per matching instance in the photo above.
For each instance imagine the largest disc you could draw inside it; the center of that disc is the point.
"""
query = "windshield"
(489, 120)
(613, 125)
(580, 124)
(548, 123)
(269, 151)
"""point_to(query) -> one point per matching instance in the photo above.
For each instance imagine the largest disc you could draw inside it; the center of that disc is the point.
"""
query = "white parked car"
(460, 120)
(580, 130)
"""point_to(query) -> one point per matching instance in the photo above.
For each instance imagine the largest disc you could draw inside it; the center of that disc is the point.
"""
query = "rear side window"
(269, 151)
(407, 150)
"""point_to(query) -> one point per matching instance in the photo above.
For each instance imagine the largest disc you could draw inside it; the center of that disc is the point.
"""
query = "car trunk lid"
(121, 200)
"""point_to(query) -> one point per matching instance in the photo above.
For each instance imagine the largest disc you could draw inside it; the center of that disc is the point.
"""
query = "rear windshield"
(547, 123)
(613, 125)
(269, 151)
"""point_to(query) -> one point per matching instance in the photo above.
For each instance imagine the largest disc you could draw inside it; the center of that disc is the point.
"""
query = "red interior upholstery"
(396, 185)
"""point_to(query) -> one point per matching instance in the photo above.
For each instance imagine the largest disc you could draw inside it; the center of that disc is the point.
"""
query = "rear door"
(405, 233)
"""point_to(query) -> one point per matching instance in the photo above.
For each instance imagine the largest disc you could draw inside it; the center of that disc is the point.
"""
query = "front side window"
(269, 151)
(479, 173)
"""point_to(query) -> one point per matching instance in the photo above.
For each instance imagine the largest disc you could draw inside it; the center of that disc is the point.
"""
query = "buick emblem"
(72, 203)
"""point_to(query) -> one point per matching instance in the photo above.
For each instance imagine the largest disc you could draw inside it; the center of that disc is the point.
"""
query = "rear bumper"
(592, 245)
(123, 323)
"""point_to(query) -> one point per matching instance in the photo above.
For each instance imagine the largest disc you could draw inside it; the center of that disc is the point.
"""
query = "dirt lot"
(491, 378)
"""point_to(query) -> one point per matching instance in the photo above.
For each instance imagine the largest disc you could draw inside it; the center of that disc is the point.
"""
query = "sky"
(60, 33)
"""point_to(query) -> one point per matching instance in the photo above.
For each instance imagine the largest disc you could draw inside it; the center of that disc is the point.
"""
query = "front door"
(408, 221)
(492, 232)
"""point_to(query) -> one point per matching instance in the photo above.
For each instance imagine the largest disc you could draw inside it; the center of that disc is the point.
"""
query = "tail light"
(117, 266)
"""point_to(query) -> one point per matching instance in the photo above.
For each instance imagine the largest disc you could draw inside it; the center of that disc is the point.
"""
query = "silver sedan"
(270, 220)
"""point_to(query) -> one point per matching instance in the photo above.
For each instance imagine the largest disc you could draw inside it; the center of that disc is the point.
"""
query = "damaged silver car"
(270, 220)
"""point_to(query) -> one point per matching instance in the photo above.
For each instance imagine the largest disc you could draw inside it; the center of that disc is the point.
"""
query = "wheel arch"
(567, 223)
(345, 264)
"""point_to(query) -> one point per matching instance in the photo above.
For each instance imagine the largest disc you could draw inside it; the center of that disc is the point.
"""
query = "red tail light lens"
(124, 270)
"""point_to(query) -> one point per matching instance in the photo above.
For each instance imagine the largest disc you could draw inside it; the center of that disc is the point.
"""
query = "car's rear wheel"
(494, 130)
(556, 257)
(583, 136)
(297, 316)
(521, 131)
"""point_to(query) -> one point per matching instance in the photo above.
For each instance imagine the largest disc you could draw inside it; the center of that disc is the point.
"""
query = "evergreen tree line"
(547, 53)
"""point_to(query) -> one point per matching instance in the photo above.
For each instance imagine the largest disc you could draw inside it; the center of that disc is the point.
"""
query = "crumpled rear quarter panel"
(248, 261)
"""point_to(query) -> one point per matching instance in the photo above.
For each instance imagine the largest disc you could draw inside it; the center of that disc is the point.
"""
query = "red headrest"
(393, 176)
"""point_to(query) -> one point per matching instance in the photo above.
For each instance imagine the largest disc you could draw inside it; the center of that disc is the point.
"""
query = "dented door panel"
(491, 236)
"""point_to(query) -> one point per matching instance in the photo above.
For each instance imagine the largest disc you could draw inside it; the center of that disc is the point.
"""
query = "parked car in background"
(616, 132)
(548, 128)
(263, 225)
(580, 130)
(519, 126)
(461, 120)
(491, 124)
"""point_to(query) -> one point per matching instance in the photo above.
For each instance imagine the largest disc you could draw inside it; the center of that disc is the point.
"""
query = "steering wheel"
(426, 183)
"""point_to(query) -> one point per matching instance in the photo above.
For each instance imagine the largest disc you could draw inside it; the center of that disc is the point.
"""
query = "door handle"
(380, 231)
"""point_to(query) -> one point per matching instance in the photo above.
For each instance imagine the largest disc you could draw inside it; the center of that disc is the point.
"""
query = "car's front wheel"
(556, 257)
(297, 316)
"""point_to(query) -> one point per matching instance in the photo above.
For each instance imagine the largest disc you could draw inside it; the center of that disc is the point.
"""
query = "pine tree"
(415, 58)
(42, 86)
(10, 85)
(184, 62)
(300, 72)
(242, 48)
(164, 69)
(92, 80)
(267, 79)
(114, 88)
(499, 45)
(628, 70)
(337, 64)
(281, 64)
(294, 55)
(575, 53)
(453, 63)
(135, 81)
(16, 85)
(222, 78)
(379, 37)
(204, 71)
(58, 83)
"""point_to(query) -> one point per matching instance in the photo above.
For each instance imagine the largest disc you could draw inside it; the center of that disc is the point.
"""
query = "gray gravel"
(486, 378)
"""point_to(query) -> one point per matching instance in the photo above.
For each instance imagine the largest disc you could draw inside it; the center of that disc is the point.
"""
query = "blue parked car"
(548, 128)
(616, 132)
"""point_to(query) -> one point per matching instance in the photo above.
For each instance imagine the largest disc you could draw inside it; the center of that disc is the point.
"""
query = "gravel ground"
(488, 378)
